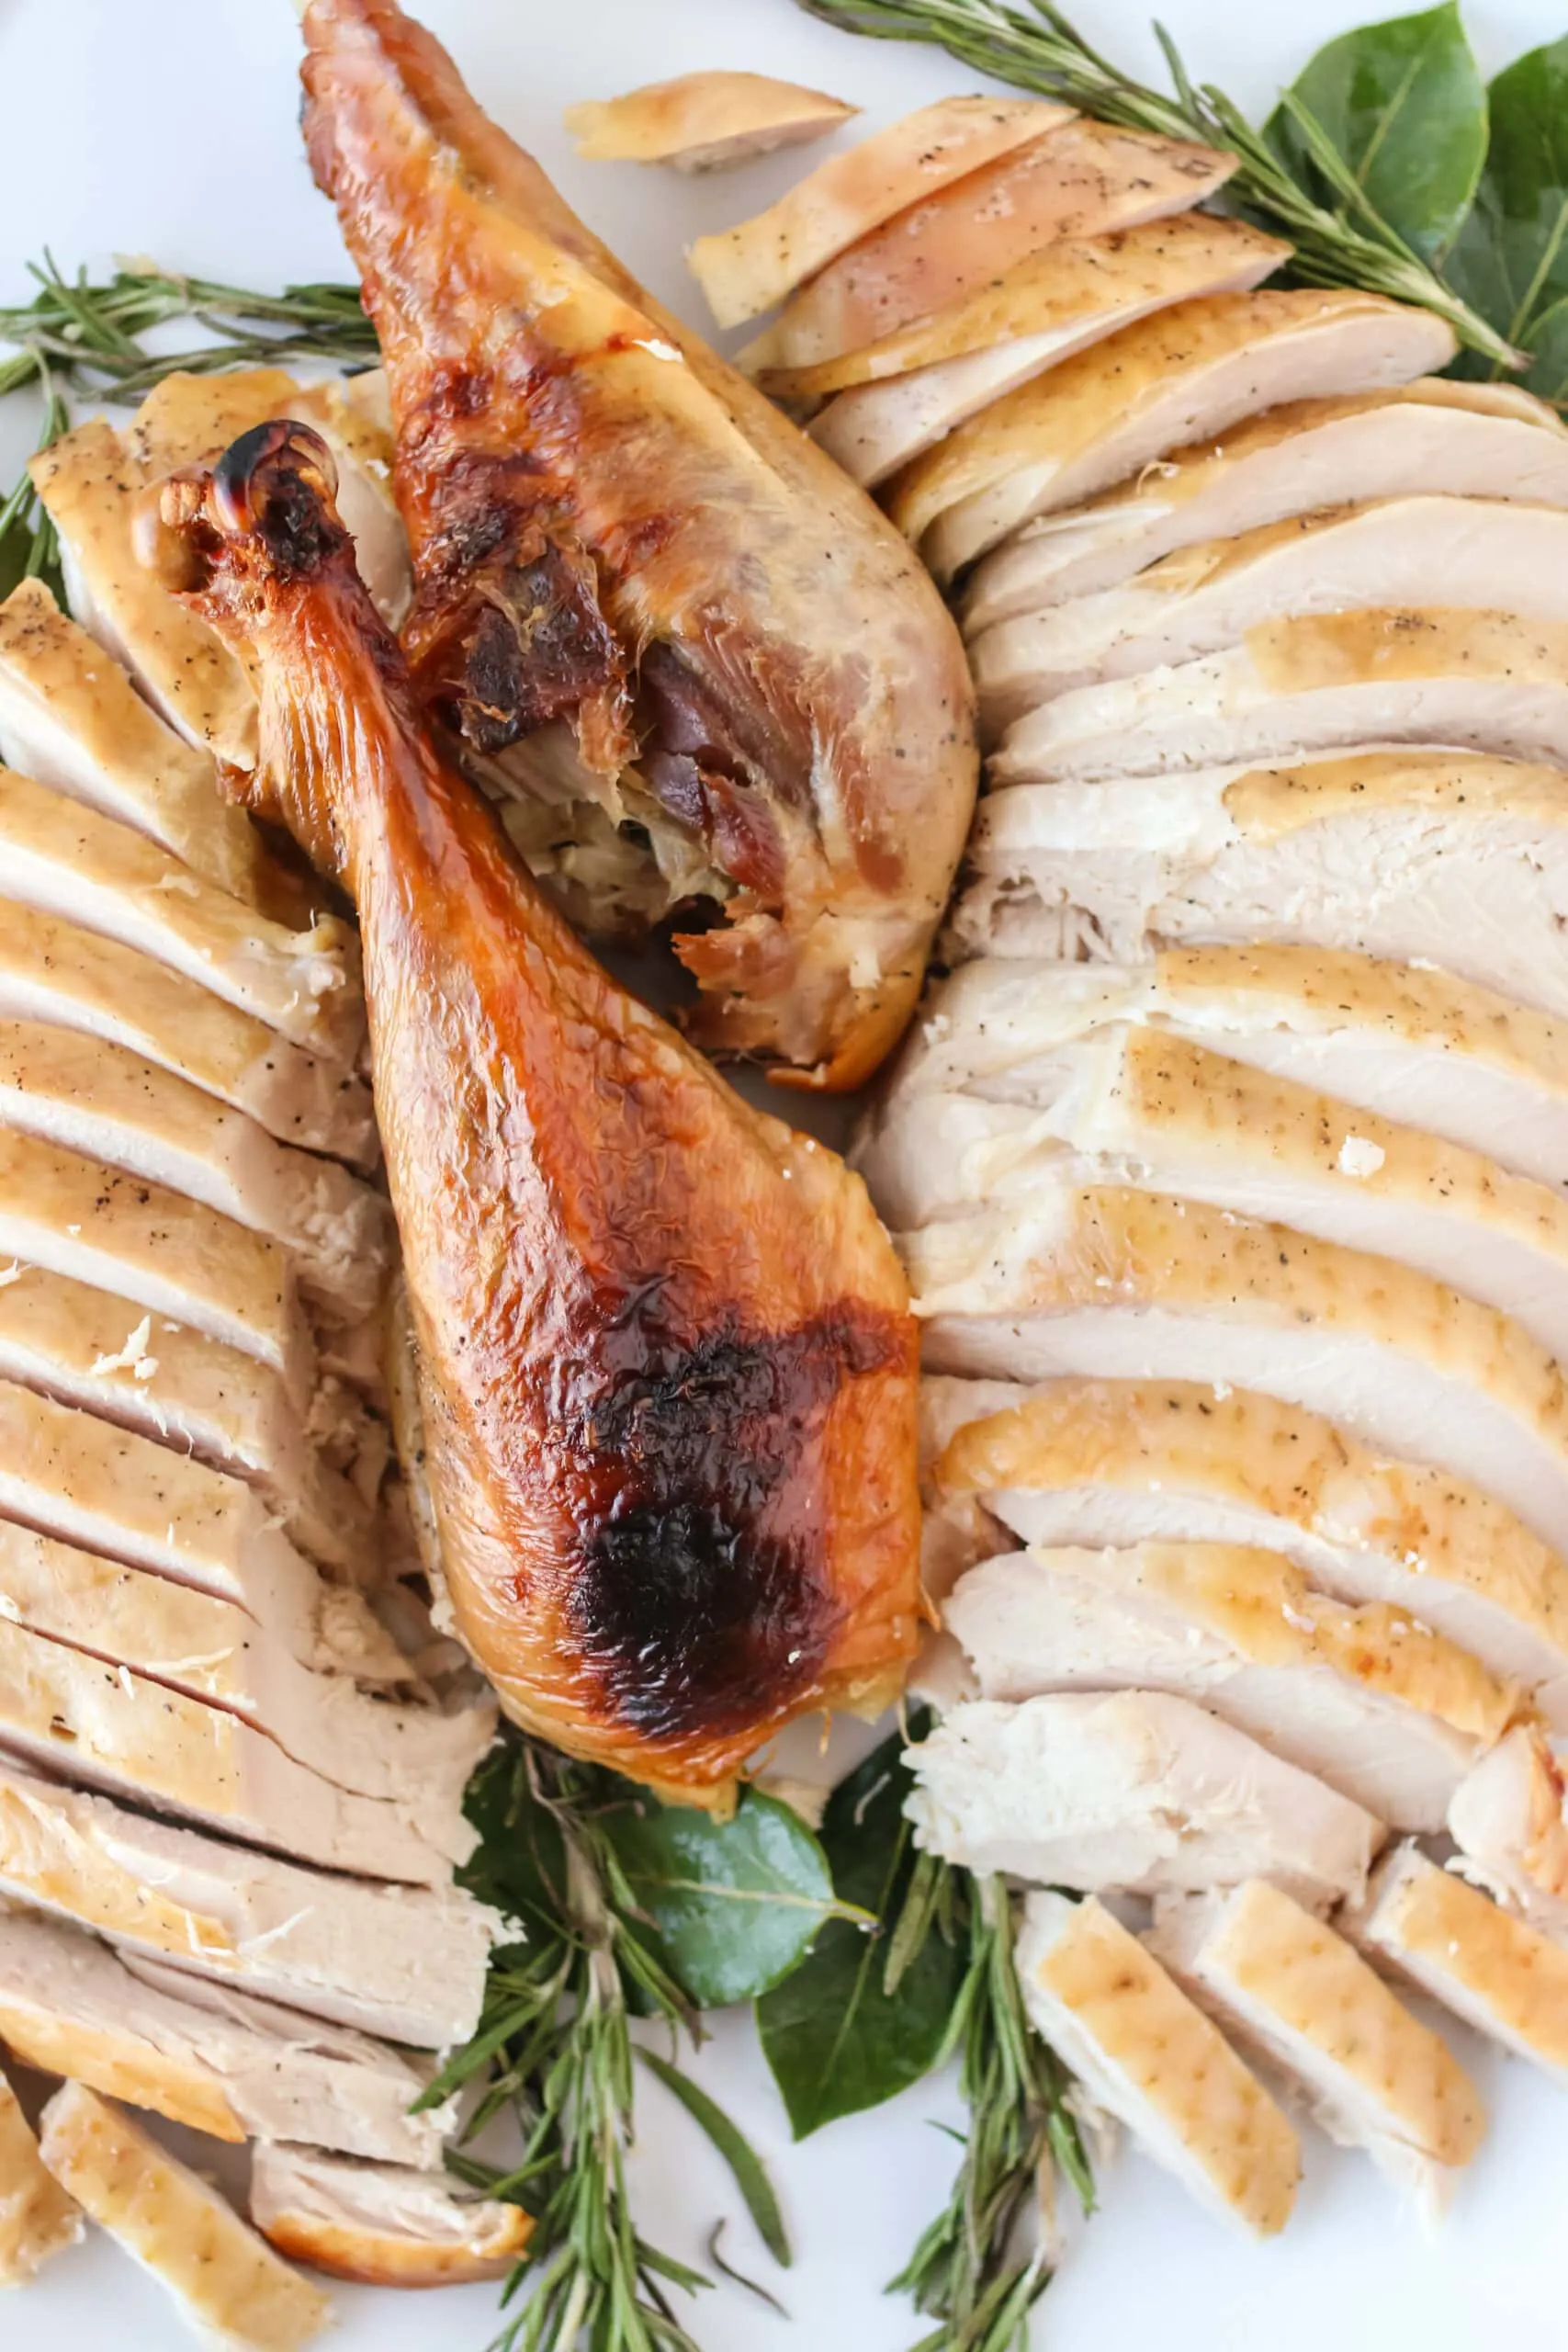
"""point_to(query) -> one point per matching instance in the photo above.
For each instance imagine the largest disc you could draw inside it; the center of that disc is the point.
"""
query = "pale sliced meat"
(1498, 1974)
(37, 2220)
(1486, 553)
(52, 970)
(382, 2226)
(1461, 440)
(703, 122)
(1137, 1791)
(1415, 1044)
(67, 860)
(745, 270)
(107, 1103)
(227, 2285)
(1292, 1992)
(1110, 1283)
(406, 1962)
(1082, 179)
(1147, 2056)
(1509, 1819)
(1179, 377)
(1494, 682)
(910, 390)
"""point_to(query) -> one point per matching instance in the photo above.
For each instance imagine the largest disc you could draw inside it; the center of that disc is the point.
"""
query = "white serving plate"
(168, 127)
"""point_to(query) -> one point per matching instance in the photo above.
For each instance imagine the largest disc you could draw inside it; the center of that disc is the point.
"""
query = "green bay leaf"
(1511, 259)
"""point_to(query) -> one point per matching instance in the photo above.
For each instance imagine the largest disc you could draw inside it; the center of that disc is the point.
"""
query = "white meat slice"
(37, 2220)
(1138, 1790)
(1486, 553)
(380, 2224)
(1415, 1044)
(1494, 681)
(911, 393)
(1462, 440)
(67, 860)
(1292, 1992)
(1148, 2055)
(1439, 1574)
(108, 1103)
(1179, 377)
(52, 970)
(1509, 1819)
(1497, 1972)
(402, 1961)
(228, 2286)
(704, 122)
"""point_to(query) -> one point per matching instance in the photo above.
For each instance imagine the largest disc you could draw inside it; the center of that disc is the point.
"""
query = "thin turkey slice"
(52, 970)
(1453, 1600)
(67, 860)
(1464, 440)
(1509, 1819)
(228, 2286)
(703, 122)
(1113, 1285)
(910, 390)
(406, 1962)
(1148, 2055)
(1416, 1045)
(1139, 1790)
(1498, 1974)
(380, 2224)
(745, 270)
(108, 1103)
(1494, 681)
(1082, 179)
(37, 2220)
(1179, 377)
(1290, 1991)
(1485, 552)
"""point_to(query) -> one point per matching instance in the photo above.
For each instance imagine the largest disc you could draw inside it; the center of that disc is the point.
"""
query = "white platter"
(167, 127)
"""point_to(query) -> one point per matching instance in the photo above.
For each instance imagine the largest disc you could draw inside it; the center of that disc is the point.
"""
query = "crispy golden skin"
(614, 532)
(666, 1365)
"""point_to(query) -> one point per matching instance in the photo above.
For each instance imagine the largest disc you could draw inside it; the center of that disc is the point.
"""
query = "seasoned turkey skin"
(612, 529)
(667, 1368)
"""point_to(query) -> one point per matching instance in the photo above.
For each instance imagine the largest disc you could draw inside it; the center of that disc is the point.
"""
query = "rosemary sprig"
(1036, 47)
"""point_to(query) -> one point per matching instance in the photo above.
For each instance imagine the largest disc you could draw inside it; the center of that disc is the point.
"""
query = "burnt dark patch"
(539, 648)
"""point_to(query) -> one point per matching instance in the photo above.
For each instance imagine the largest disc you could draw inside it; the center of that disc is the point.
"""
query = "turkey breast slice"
(109, 1104)
(1416, 1045)
(67, 860)
(1510, 1818)
(382, 2226)
(228, 2286)
(1464, 440)
(1139, 1790)
(1110, 1283)
(1148, 2055)
(1494, 682)
(52, 970)
(1043, 310)
(1497, 1972)
(1175, 379)
(1295, 1994)
(1488, 553)
(1459, 1602)
(37, 2220)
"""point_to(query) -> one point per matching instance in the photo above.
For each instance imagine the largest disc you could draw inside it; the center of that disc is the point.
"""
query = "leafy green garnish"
(1511, 257)
(749, 2173)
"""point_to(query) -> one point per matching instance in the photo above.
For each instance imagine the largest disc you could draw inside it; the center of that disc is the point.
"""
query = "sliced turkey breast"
(1494, 682)
(1509, 1819)
(1148, 2055)
(67, 860)
(406, 1962)
(703, 122)
(1139, 1790)
(1292, 1992)
(229, 2288)
(37, 2220)
(1117, 1284)
(1492, 553)
(1177, 379)
(1498, 1974)
(381, 2224)
(1415, 1044)
(52, 970)
(910, 390)
(1462, 440)
(108, 1105)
